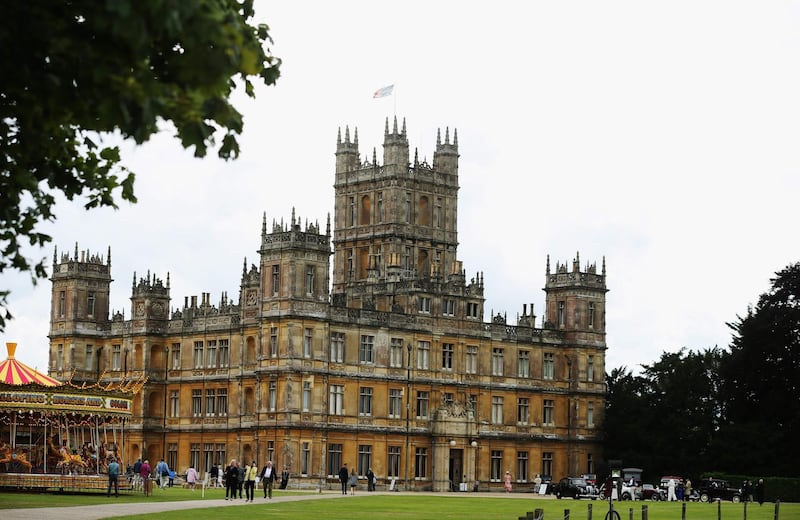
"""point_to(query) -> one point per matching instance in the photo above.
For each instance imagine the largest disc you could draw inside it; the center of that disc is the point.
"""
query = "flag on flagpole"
(383, 92)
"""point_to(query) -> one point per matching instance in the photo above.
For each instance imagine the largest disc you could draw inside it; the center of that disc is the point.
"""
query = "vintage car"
(575, 487)
(650, 492)
(716, 489)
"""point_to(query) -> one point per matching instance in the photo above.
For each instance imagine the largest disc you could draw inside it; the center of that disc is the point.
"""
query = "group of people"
(240, 477)
(350, 479)
(753, 492)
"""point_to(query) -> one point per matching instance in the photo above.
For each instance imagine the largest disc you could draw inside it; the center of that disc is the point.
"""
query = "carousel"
(60, 435)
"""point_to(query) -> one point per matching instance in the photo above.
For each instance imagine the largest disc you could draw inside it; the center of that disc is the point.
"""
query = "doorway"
(456, 468)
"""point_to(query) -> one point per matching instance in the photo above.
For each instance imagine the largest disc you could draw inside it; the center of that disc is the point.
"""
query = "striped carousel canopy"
(12, 372)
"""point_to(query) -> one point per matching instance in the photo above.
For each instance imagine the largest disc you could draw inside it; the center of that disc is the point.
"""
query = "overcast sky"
(662, 136)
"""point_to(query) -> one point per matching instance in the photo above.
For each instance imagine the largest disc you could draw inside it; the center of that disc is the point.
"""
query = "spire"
(447, 135)
(167, 279)
(76, 251)
(264, 225)
(292, 217)
(55, 257)
(404, 127)
(394, 128)
(347, 133)
(548, 266)
(328, 226)
(604, 266)
(386, 130)
(416, 157)
(133, 285)
(438, 137)
(455, 137)
(355, 137)
(108, 259)
(374, 156)
(339, 136)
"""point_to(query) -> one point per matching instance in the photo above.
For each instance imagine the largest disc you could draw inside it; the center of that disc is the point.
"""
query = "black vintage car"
(711, 489)
(575, 487)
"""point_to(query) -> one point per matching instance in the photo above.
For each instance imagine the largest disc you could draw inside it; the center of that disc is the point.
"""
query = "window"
(350, 266)
(471, 365)
(447, 398)
(364, 402)
(590, 414)
(219, 452)
(309, 280)
(176, 356)
(548, 365)
(198, 354)
(211, 400)
(447, 356)
(523, 410)
(423, 355)
(448, 307)
(472, 310)
(496, 466)
(421, 458)
(116, 357)
(522, 466)
(562, 314)
(336, 399)
(337, 347)
(197, 402)
(273, 341)
(497, 362)
(334, 459)
(273, 396)
(172, 454)
(365, 351)
(424, 305)
(352, 211)
(407, 212)
(276, 280)
(422, 405)
(473, 404)
(364, 458)
(208, 454)
(395, 403)
(224, 353)
(306, 396)
(90, 300)
(194, 456)
(396, 352)
(437, 213)
(548, 412)
(393, 466)
(524, 364)
(547, 463)
(305, 459)
(380, 207)
(270, 450)
(222, 402)
(590, 368)
(88, 359)
(174, 404)
(589, 463)
(497, 410)
(591, 315)
(307, 337)
(211, 353)
(62, 303)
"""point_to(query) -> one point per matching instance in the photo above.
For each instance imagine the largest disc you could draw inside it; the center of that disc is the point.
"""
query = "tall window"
(364, 458)
(437, 213)
(523, 410)
(176, 356)
(172, 454)
(396, 352)
(590, 368)
(334, 459)
(448, 307)
(548, 412)
(395, 403)
(364, 402)
(562, 314)
(90, 300)
(62, 303)
(305, 459)
(270, 450)
(309, 280)
(524, 364)
(423, 355)
(194, 456)
(88, 365)
(273, 396)
(197, 402)
(497, 362)
(174, 404)
(447, 356)
(336, 400)
(219, 453)
(198, 354)
(116, 357)
(496, 466)
(421, 459)
(306, 396)
(393, 466)
(471, 365)
(337, 347)
(472, 310)
(365, 350)
(380, 207)
(273, 341)
(589, 463)
(352, 211)
(547, 463)
(591, 315)
(222, 402)
(208, 454)
(224, 353)
(548, 365)
(407, 212)
(424, 304)
(307, 337)
(211, 401)
(590, 414)
(211, 353)
(276, 280)
(497, 410)
(422, 405)
(522, 466)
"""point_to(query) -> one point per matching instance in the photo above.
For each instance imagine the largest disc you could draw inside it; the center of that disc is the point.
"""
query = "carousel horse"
(108, 451)
(14, 457)
(65, 460)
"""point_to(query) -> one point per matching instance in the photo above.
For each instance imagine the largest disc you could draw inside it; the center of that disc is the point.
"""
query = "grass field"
(407, 507)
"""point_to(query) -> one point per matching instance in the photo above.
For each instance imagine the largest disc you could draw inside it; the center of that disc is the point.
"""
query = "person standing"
(240, 478)
(191, 477)
(343, 476)
(231, 480)
(353, 481)
(214, 474)
(113, 477)
(267, 478)
(285, 478)
(137, 478)
(144, 473)
(687, 490)
(162, 472)
(759, 491)
(671, 490)
(250, 474)
(370, 480)
(507, 481)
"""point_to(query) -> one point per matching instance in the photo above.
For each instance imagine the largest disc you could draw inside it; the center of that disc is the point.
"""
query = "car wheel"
(626, 496)
(655, 497)
(736, 499)
(558, 495)
(703, 497)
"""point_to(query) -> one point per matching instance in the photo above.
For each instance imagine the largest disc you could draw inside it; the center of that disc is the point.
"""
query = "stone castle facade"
(391, 364)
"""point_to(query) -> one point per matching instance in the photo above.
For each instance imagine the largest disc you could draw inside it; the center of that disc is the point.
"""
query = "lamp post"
(408, 406)
(474, 444)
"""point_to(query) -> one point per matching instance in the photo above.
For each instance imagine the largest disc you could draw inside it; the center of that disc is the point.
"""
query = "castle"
(390, 365)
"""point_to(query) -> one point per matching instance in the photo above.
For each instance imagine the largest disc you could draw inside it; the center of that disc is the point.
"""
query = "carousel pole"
(97, 430)
(45, 441)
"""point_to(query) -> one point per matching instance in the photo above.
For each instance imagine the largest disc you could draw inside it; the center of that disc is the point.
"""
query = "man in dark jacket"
(344, 474)
(267, 477)
(231, 480)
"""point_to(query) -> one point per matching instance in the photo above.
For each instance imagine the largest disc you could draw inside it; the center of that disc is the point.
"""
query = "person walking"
(687, 490)
(344, 474)
(137, 478)
(507, 482)
(267, 478)
(214, 475)
(162, 472)
(113, 477)
(231, 480)
(144, 473)
(250, 475)
(191, 477)
(353, 481)
(370, 480)
(240, 478)
(759, 491)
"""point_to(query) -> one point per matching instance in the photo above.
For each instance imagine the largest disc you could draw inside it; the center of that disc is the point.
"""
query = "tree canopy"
(76, 70)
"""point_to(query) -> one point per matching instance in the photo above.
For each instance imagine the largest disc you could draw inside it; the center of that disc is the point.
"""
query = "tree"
(74, 71)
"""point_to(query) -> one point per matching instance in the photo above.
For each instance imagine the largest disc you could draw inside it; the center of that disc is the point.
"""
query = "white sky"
(661, 135)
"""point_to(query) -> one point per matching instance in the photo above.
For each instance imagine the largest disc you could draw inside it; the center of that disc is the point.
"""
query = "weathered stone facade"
(389, 365)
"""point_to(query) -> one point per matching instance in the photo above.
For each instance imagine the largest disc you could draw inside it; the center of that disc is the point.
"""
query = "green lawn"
(408, 506)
